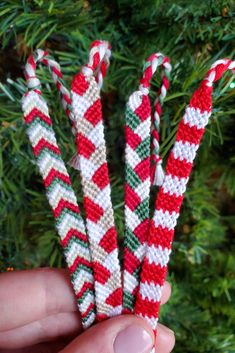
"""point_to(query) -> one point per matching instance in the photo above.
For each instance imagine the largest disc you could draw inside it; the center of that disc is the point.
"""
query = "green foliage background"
(194, 34)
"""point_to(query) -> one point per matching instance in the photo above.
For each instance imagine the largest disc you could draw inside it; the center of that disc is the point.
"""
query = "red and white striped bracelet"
(170, 196)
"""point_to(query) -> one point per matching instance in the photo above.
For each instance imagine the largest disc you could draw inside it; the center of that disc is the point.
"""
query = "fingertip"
(166, 293)
(165, 340)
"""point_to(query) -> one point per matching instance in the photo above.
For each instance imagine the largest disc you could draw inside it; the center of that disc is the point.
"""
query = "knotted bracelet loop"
(98, 62)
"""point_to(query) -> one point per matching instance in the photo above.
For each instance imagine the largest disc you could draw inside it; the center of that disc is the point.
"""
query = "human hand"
(39, 315)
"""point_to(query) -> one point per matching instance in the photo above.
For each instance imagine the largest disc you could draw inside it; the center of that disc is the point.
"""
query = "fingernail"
(133, 339)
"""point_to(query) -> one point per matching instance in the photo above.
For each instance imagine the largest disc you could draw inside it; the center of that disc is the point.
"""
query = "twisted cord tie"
(151, 65)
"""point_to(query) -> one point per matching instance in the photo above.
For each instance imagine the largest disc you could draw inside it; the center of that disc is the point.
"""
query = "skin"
(39, 315)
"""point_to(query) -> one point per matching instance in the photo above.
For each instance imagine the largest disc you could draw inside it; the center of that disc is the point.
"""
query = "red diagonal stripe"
(56, 174)
(132, 139)
(191, 134)
(45, 144)
(132, 200)
(79, 261)
(93, 113)
(101, 273)
(145, 307)
(108, 242)
(141, 230)
(143, 111)
(93, 211)
(153, 273)
(143, 169)
(85, 287)
(115, 298)
(73, 233)
(160, 236)
(178, 168)
(65, 204)
(86, 147)
(90, 307)
(35, 113)
(80, 84)
(100, 177)
(168, 202)
(131, 261)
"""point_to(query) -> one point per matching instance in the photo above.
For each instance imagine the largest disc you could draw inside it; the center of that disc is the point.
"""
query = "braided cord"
(138, 181)
(93, 167)
(59, 191)
(170, 196)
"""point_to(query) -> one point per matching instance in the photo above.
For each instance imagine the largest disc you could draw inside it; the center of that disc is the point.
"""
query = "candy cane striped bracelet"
(138, 172)
(60, 194)
(170, 196)
(93, 167)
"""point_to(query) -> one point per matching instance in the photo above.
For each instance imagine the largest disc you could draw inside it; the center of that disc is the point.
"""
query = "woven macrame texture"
(170, 196)
(60, 194)
(92, 163)
(138, 176)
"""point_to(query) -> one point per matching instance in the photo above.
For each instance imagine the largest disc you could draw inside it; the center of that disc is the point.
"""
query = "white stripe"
(47, 162)
(32, 101)
(95, 231)
(194, 117)
(158, 255)
(185, 151)
(103, 196)
(130, 281)
(142, 190)
(75, 250)
(143, 129)
(36, 133)
(90, 321)
(87, 167)
(102, 292)
(69, 222)
(165, 219)
(95, 134)
(151, 291)
(132, 157)
(174, 185)
(135, 100)
(117, 310)
(110, 260)
(80, 104)
(132, 220)
(83, 276)
(89, 298)
(58, 192)
(140, 252)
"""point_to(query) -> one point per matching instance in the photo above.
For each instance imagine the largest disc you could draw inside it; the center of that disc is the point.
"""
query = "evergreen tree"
(194, 35)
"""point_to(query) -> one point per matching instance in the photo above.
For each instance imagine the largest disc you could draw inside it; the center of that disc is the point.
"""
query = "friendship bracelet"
(138, 176)
(60, 194)
(91, 252)
(170, 196)
(92, 163)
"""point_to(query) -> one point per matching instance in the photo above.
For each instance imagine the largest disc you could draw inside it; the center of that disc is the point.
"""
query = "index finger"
(27, 296)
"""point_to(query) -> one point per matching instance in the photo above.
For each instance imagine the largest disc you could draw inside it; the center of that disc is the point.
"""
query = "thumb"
(117, 335)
